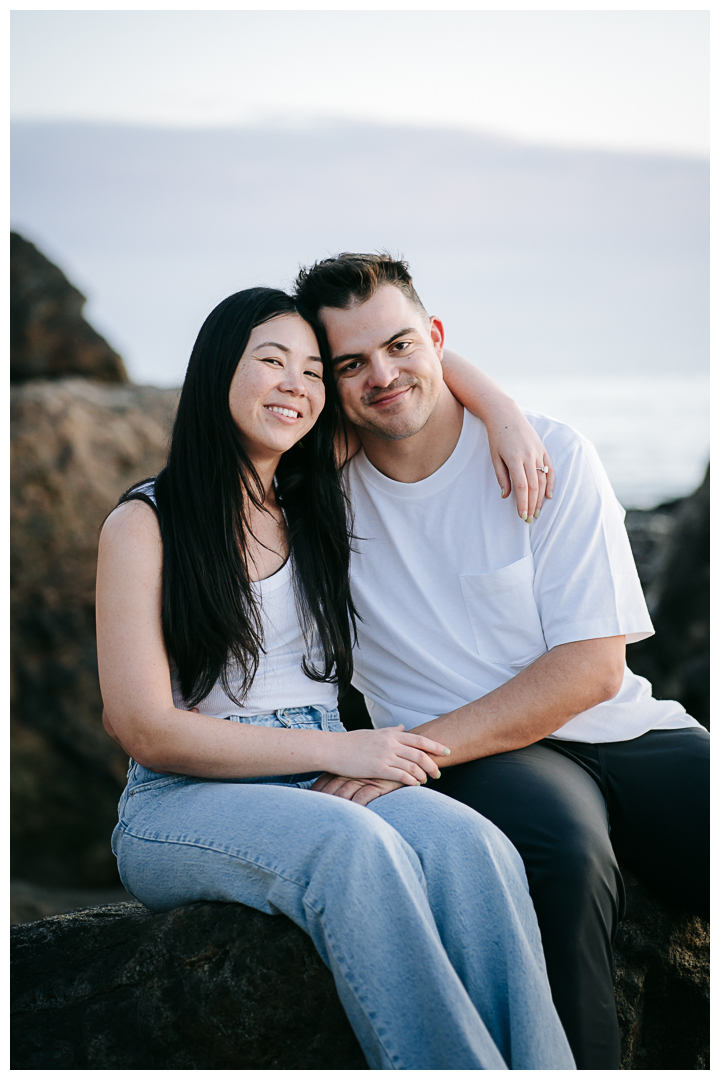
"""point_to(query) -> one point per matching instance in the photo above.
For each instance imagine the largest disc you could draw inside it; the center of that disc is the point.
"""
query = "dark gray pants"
(572, 810)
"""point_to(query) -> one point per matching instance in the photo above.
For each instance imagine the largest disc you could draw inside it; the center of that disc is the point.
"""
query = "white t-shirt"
(457, 595)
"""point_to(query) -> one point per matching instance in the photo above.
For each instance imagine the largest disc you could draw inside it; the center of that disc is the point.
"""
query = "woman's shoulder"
(132, 520)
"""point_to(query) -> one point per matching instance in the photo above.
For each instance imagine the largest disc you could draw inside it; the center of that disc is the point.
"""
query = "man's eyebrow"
(383, 345)
(285, 349)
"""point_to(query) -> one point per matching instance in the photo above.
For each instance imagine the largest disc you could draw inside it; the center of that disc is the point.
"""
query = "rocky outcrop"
(48, 336)
(30, 902)
(209, 986)
(221, 986)
(76, 446)
(672, 548)
(662, 984)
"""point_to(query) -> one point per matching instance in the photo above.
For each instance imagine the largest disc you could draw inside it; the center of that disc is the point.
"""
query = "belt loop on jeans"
(323, 716)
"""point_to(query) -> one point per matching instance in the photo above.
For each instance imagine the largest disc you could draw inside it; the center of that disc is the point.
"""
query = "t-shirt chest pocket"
(503, 614)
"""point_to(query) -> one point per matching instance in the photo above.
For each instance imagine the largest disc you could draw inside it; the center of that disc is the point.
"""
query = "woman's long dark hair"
(210, 615)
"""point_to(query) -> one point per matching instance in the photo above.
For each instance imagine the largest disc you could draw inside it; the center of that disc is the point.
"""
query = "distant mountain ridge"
(539, 259)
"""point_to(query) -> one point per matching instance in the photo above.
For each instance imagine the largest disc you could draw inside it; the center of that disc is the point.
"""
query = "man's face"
(387, 362)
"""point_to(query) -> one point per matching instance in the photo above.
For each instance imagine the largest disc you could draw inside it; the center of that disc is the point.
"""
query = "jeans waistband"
(296, 716)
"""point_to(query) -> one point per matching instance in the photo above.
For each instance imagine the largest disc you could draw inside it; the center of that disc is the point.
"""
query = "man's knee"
(580, 874)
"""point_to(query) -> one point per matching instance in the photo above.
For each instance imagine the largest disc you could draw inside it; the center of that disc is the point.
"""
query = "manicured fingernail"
(524, 515)
(502, 493)
(439, 774)
(423, 781)
(445, 751)
(548, 494)
(537, 513)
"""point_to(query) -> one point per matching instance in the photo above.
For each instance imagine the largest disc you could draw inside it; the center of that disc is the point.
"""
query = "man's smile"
(389, 396)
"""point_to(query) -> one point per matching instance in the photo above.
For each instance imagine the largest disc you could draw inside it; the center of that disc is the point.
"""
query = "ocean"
(652, 434)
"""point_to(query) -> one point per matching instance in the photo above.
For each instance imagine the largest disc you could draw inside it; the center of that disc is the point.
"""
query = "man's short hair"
(352, 278)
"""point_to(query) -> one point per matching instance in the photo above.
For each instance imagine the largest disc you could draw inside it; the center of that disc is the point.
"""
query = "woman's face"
(277, 391)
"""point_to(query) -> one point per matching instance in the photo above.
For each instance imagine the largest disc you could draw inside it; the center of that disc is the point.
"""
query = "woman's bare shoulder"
(130, 521)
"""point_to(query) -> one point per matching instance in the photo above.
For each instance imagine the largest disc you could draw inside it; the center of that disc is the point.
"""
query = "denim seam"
(217, 851)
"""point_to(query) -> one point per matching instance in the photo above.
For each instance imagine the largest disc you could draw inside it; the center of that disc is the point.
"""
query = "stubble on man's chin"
(405, 428)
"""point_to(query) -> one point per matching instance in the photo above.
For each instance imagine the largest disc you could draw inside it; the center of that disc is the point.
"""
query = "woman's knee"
(359, 846)
(355, 828)
(436, 824)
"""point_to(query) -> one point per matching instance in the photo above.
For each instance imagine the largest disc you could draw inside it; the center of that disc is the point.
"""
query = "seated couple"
(237, 590)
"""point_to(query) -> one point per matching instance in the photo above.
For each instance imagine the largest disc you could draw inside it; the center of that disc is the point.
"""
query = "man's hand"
(358, 791)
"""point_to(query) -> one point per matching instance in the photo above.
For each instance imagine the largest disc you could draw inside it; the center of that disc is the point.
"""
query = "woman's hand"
(518, 454)
(389, 753)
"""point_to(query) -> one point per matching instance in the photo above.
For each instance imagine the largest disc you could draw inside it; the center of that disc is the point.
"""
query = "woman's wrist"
(330, 759)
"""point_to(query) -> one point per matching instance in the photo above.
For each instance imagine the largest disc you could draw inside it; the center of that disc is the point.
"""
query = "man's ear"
(437, 334)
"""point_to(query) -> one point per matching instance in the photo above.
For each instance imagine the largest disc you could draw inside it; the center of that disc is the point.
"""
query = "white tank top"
(280, 682)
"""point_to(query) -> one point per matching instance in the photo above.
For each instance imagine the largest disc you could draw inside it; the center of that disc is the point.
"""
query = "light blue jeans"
(418, 905)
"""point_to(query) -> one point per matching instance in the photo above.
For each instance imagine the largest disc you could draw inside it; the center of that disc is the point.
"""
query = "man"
(506, 641)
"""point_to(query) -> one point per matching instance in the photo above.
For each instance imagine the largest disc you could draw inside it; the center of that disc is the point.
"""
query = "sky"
(618, 80)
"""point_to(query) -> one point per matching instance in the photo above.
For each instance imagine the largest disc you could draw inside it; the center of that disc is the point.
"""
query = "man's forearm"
(551, 691)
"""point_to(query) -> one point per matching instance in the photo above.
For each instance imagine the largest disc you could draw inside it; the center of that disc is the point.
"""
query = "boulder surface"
(662, 984)
(209, 986)
(49, 337)
(672, 547)
(76, 446)
(221, 986)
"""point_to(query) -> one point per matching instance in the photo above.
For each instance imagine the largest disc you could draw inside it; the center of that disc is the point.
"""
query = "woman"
(222, 588)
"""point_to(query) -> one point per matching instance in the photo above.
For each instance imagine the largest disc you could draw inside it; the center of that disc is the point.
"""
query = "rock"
(48, 336)
(676, 659)
(76, 446)
(649, 531)
(29, 902)
(662, 984)
(209, 986)
(220, 986)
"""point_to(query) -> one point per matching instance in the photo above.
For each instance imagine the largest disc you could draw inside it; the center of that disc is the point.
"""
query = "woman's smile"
(280, 410)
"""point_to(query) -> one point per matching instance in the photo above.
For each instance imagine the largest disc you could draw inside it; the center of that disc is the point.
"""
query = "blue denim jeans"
(417, 905)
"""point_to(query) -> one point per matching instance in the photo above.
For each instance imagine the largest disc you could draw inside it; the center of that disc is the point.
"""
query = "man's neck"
(420, 455)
